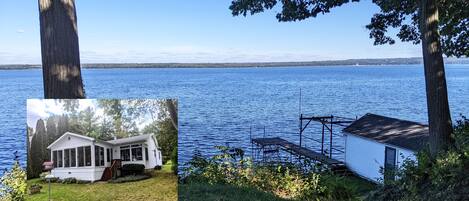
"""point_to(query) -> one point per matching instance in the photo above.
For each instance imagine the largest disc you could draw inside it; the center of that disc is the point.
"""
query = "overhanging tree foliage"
(440, 25)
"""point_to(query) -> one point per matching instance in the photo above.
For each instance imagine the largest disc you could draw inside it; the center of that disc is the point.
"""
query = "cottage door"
(389, 163)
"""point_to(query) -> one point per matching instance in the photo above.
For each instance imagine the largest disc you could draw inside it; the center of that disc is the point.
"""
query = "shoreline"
(331, 63)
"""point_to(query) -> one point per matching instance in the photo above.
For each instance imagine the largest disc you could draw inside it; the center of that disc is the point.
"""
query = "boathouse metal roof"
(401, 133)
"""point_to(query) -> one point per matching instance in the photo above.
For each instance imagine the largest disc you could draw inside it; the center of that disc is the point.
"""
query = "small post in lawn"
(48, 178)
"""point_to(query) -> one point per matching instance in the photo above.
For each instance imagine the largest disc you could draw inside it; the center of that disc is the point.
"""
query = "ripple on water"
(217, 106)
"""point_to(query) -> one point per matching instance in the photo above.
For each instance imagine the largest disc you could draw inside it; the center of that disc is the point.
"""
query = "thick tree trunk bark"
(173, 113)
(59, 48)
(439, 118)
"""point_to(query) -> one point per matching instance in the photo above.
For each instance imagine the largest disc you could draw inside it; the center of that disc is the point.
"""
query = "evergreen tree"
(29, 134)
(51, 135)
(37, 149)
(87, 120)
(62, 125)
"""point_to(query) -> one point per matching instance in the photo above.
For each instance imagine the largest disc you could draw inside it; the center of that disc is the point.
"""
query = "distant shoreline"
(347, 62)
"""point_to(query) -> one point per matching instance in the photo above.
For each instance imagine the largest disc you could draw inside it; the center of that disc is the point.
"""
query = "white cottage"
(375, 142)
(86, 158)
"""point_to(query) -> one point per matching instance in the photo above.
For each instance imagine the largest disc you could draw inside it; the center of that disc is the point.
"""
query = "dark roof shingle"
(397, 132)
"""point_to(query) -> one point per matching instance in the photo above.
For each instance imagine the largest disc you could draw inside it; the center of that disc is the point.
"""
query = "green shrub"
(132, 169)
(70, 180)
(444, 178)
(129, 178)
(13, 184)
(43, 175)
(286, 181)
(174, 160)
(82, 181)
(34, 189)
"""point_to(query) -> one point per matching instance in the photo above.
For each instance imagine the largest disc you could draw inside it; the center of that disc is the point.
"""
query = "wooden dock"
(296, 150)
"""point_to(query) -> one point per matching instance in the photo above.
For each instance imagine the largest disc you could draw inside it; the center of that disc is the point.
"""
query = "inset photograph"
(102, 149)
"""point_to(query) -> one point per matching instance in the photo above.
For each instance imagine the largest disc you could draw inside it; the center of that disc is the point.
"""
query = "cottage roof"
(68, 134)
(138, 138)
(401, 133)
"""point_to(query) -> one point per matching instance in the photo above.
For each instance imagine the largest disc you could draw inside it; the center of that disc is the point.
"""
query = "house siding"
(92, 173)
(366, 157)
(81, 173)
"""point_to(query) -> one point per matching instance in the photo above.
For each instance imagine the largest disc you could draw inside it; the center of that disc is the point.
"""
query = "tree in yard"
(30, 132)
(87, 119)
(172, 107)
(36, 150)
(59, 48)
(166, 135)
(156, 108)
(62, 125)
(114, 109)
(440, 25)
(51, 135)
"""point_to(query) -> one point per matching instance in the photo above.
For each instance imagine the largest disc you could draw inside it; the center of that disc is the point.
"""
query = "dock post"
(301, 128)
(252, 144)
(322, 139)
(330, 143)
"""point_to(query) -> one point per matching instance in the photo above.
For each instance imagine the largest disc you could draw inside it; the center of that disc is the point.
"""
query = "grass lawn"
(361, 186)
(207, 192)
(162, 186)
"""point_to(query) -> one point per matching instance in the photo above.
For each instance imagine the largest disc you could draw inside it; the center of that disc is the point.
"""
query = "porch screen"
(59, 158)
(108, 154)
(99, 156)
(137, 152)
(88, 156)
(146, 153)
(73, 159)
(125, 153)
(54, 158)
(81, 157)
(67, 158)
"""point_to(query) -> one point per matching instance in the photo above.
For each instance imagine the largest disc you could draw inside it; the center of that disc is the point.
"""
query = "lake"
(217, 106)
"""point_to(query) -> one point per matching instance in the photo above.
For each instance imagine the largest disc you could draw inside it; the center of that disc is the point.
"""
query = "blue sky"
(113, 31)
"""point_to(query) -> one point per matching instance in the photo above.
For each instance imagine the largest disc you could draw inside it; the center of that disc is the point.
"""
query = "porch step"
(107, 175)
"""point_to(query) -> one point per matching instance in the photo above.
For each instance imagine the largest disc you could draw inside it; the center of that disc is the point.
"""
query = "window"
(389, 163)
(125, 154)
(67, 158)
(73, 161)
(137, 153)
(108, 154)
(99, 156)
(81, 157)
(146, 153)
(54, 158)
(59, 158)
(88, 156)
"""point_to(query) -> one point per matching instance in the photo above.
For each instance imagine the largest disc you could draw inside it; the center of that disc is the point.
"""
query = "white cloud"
(20, 31)
(41, 109)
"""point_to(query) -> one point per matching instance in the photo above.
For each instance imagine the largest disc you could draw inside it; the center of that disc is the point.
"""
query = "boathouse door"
(389, 163)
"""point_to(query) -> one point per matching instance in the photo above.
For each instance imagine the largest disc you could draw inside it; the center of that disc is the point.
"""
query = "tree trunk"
(439, 118)
(173, 113)
(60, 51)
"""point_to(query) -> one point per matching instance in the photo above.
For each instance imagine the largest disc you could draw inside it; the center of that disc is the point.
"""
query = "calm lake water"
(218, 106)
